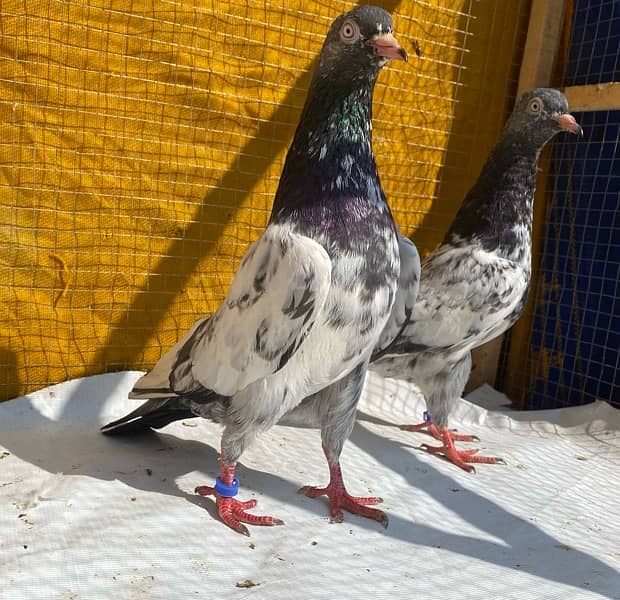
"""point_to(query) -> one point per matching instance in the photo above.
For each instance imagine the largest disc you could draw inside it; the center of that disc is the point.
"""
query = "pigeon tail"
(153, 414)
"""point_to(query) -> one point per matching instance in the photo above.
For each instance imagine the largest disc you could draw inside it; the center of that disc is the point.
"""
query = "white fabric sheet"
(83, 516)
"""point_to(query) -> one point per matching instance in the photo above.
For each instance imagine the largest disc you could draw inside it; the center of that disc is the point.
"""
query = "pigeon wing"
(273, 302)
(465, 293)
(406, 294)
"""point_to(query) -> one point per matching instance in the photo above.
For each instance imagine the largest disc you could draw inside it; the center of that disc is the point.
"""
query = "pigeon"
(406, 295)
(318, 409)
(474, 286)
(310, 297)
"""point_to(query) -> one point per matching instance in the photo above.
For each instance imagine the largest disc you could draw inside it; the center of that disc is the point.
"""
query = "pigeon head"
(330, 158)
(539, 115)
(358, 44)
(498, 209)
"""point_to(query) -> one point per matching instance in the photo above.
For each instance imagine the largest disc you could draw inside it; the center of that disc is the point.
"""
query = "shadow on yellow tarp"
(140, 149)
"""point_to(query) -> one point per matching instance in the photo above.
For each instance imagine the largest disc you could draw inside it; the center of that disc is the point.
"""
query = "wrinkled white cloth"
(83, 516)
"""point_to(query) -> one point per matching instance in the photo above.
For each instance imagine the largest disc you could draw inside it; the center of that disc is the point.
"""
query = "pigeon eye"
(349, 32)
(534, 106)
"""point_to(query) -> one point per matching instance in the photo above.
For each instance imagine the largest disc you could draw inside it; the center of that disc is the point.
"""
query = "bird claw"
(233, 512)
(339, 498)
(337, 518)
(422, 427)
(431, 429)
(459, 437)
(461, 458)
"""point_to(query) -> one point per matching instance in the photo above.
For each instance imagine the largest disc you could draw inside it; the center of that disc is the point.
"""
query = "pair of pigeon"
(331, 286)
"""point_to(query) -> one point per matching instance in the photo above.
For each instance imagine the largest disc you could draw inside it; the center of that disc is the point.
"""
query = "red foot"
(232, 511)
(339, 498)
(432, 429)
(460, 458)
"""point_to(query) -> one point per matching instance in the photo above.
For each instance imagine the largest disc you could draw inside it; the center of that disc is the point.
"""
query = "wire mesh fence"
(141, 144)
(595, 38)
(572, 354)
(576, 333)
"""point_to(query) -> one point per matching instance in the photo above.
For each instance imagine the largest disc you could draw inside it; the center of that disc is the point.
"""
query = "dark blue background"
(575, 337)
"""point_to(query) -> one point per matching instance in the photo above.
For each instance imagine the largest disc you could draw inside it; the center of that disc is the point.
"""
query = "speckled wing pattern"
(278, 291)
(467, 295)
(405, 298)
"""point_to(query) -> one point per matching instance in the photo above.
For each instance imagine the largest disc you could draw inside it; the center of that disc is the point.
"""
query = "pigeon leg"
(340, 499)
(460, 458)
(427, 426)
(232, 511)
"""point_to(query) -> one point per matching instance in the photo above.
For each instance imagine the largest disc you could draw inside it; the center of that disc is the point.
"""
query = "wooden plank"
(544, 34)
(599, 96)
(541, 47)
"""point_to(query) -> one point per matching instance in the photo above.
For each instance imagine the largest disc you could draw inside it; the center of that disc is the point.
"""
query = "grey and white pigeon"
(318, 410)
(474, 285)
(312, 294)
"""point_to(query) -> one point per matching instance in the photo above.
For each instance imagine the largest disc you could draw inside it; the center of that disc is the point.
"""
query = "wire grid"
(595, 39)
(573, 352)
(576, 331)
(141, 145)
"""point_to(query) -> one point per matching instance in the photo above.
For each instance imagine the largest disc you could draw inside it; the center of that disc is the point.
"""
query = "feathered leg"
(336, 405)
(441, 392)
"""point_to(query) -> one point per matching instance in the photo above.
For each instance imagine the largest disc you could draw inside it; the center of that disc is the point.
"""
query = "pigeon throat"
(497, 211)
(331, 156)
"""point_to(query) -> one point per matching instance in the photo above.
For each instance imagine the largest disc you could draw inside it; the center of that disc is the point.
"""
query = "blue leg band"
(226, 491)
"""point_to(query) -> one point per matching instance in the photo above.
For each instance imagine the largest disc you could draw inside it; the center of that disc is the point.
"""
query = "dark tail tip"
(134, 425)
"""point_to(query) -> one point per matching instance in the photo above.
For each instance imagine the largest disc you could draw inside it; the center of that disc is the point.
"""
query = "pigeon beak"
(386, 46)
(568, 123)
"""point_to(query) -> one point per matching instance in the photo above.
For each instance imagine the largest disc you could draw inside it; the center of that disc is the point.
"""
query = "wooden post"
(544, 34)
(599, 96)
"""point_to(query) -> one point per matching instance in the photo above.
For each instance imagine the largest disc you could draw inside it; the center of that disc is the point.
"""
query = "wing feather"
(404, 301)
(464, 294)
(272, 304)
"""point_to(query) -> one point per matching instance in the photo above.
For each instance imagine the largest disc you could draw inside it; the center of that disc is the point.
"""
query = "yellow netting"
(141, 144)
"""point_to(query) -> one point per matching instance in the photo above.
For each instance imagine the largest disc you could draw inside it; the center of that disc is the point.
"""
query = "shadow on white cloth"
(94, 516)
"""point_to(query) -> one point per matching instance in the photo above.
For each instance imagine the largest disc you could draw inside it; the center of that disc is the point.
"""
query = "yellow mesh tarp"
(141, 145)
